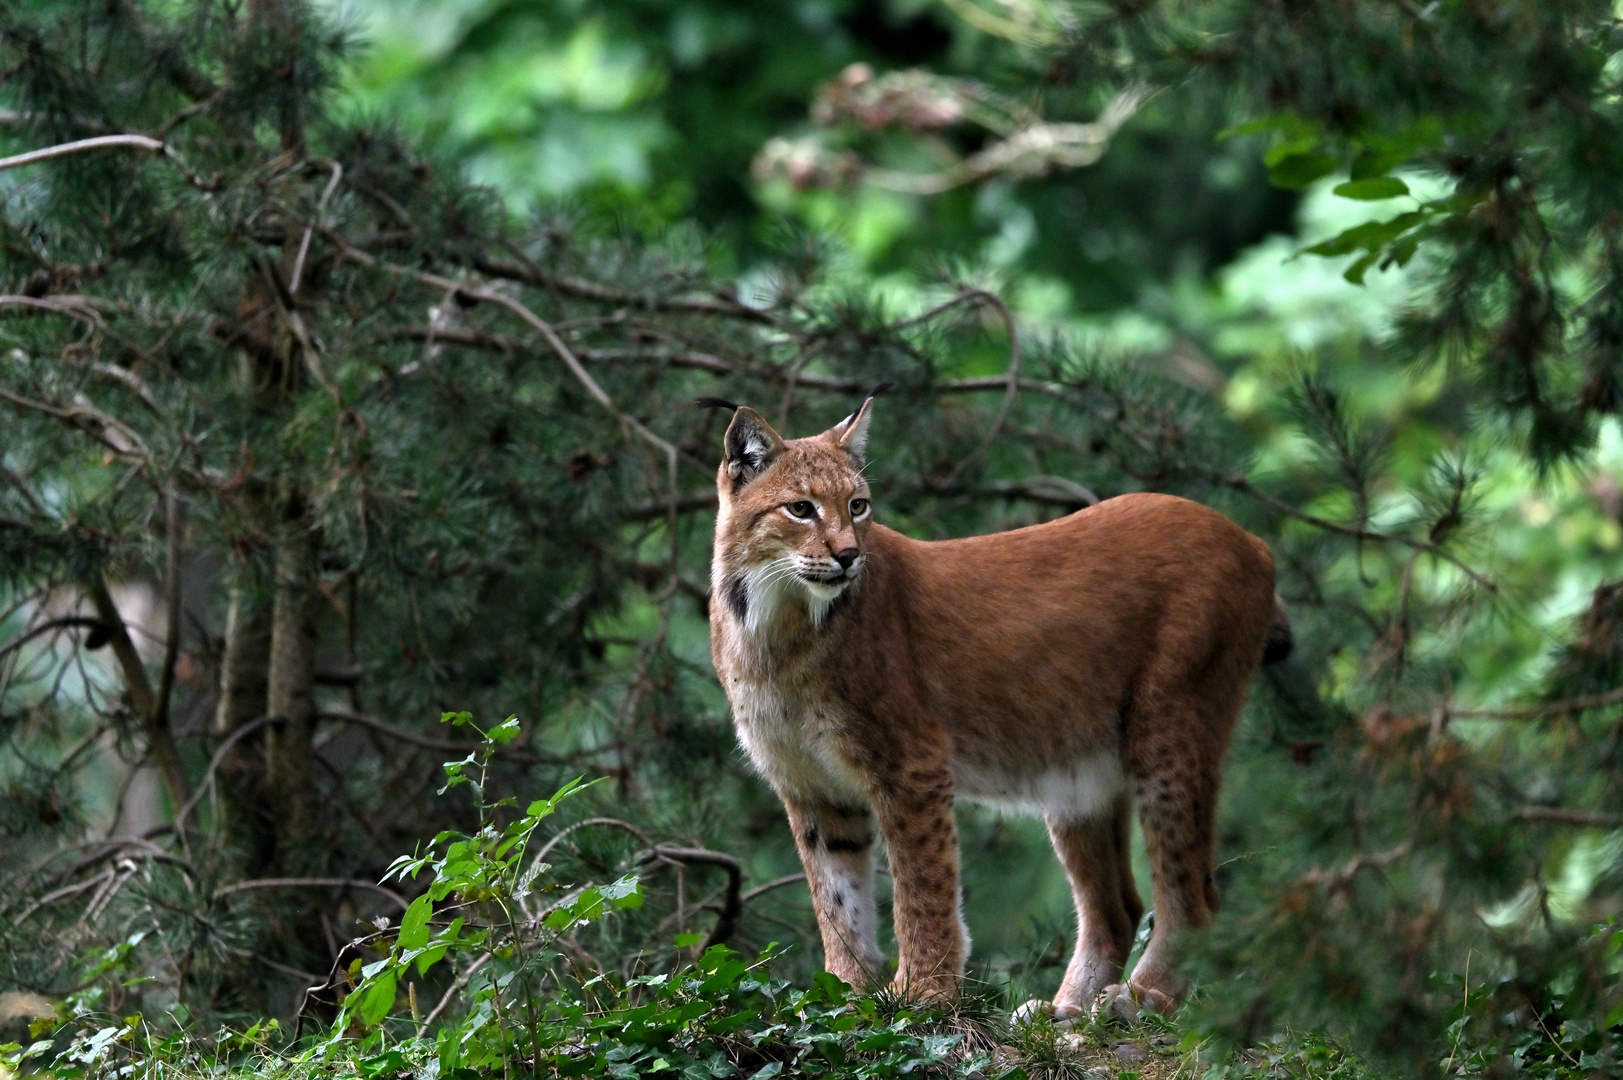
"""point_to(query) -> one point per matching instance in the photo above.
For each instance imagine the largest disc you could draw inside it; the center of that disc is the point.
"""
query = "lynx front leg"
(915, 814)
(836, 848)
(1095, 854)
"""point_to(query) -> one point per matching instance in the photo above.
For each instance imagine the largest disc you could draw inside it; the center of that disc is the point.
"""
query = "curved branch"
(732, 906)
(46, 627)
(775, 883)
(1240, 483)
(238, 733)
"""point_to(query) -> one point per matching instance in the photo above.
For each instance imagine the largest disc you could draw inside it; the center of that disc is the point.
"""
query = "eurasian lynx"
(1070, 669)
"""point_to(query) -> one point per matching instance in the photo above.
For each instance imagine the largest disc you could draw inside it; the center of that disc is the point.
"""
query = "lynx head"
(793, 515)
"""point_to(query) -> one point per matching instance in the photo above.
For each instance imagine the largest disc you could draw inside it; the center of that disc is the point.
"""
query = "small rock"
(1165, 1041)
(1128, 1054)
(1099, 1072)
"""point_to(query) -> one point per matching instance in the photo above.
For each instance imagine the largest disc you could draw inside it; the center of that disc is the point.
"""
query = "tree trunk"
(288, 750)
(244, 673)
(154, 721)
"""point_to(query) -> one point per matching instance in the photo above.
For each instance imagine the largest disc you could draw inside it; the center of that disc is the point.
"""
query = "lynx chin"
(1073, 669)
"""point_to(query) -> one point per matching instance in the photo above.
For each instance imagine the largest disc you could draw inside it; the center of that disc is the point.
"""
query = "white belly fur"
(1074, 791)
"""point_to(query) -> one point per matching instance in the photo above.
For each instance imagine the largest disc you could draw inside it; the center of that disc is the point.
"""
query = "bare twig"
(297, 276)
(1568, 815)
(615, 823)
(126, 443)
(310, 883)
(1554, 708)
(530, 274)
(1340, 877)
(540, 326)
(450, 992)
(84, 308)
(427, 742)
(79, 146)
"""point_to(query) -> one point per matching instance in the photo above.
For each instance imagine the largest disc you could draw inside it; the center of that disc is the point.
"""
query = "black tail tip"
(1276, 648)
(714, 403)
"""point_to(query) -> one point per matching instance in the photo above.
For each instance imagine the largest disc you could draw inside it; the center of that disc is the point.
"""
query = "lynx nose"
(846, 556)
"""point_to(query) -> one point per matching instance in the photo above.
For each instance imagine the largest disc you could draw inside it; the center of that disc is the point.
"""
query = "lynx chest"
(791, 736)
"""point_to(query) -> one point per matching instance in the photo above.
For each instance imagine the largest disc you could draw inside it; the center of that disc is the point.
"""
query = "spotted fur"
(1071, 669)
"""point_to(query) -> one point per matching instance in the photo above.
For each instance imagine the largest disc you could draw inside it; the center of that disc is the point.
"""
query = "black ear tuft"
(852, 432)
(714, 403)
(751, 445)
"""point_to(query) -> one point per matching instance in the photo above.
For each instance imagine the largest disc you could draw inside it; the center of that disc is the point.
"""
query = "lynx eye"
(801, 509)
(859, 507)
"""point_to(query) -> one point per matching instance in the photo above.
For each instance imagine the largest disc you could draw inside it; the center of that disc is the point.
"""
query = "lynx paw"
(1062, 1013)
(1125, 1002)
(1032, 1011)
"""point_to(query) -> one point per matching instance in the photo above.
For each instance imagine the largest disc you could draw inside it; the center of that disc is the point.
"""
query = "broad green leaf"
(624, 893)
(1355, 273)
(505, 732)
(456, 719)
(583, 906)
(414, 923)
(1300, 170)
(377, 999)
(1369, 236)
(1375, 187)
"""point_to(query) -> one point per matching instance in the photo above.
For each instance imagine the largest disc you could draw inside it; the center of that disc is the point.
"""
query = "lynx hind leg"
(1177, 806)
(1096, 857)
(836, 848)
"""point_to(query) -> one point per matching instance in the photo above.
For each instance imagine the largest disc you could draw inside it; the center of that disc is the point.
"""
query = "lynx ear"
(852, 432)
(751, 445)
